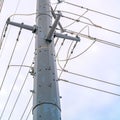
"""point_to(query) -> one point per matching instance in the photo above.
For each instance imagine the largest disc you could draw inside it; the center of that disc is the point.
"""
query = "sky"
(100, 61)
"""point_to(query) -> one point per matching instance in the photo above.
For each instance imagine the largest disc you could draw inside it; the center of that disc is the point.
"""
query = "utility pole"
(46, 99)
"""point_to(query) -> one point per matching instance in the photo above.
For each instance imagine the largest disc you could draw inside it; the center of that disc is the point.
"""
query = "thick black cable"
(96, 89)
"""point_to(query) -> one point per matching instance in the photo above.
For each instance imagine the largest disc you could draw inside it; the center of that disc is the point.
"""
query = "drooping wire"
(80, 85)
(92, 10)
(14, 84)
(74, 57)
(10, 59)
(27, 108)
(23, 82)
(68, 56)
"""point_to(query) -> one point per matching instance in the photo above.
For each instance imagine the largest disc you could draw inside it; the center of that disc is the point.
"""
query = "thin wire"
(80, 53)
(80, 16)
(88, 77)
(9, 63)
(10, 26)
(60, 47)
(2, 39)
(18, 97)
(94, 25)
(29, 14)
(13, 85)
(29, 114)
(93, 38)
(23, 82)
(80, 85)
(92, 10)
(75, 20)
(27, 108)
(68, 56)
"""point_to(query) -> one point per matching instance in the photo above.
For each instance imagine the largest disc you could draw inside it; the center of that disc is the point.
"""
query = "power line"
(18, 96)
(27, 108)
(23, 82)
(89, 87)
(92, 10)
(74, 57)
(75, 20)
(14, 82)
(93, 38)
(10, 59)
(95, 79)
(94, 25)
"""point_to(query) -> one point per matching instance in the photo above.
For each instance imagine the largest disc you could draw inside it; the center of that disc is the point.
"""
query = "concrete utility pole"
(46, 101)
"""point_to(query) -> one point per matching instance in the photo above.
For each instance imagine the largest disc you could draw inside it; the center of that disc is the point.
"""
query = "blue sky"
(100, 61)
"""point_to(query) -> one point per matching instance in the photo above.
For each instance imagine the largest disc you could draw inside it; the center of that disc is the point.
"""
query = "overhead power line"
(94, 25)
(80, 85)
(88, 77)
(93, 38)
(92, 10)
(10, 59)
(27, 105)
(16, 78)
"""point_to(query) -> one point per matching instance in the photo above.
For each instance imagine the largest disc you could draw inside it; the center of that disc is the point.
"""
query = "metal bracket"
(27, 27)
(65, 36)
(50, 34)
(54, 15)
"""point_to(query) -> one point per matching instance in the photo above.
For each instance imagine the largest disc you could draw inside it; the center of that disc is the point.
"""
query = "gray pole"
(46, 102)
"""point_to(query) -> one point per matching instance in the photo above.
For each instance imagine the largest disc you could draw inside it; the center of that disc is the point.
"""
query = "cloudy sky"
(99, 61)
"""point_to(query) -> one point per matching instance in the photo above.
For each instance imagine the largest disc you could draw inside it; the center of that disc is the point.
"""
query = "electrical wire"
(23, 82)
(92, 10)
(94, 25)
(68, 56)
(29, 114)
(29, 14)
(80, 16)
(80, 85)
(14, 84)
(27, 108)
(93, 38)
(10, 60)
(2, 42)
(75, 20)
(81, 52)
(18, 97)
(60, 47)
(88, 77)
